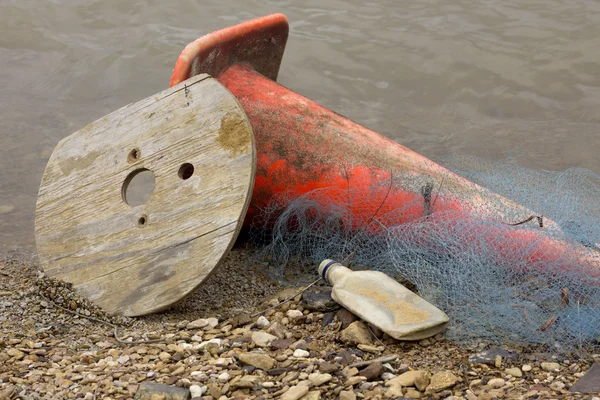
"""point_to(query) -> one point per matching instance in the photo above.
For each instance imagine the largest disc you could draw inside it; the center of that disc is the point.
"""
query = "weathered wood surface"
(138, 260)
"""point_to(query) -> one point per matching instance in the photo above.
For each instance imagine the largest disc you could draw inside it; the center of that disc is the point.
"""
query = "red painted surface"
(302, 146)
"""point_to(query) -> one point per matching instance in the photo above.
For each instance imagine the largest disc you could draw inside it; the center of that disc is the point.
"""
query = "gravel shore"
(211, 346)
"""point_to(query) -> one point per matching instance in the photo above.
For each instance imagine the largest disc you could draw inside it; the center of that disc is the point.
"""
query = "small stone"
(197, 391)
(372, 372)
(419, 379)
(347, 395)
(516, 372)
(320, 379)
(354, 380)
(299, 353)
(197, 324)
(237, 321)
(258, 360)
(489, 357)
(314, 395)
(370, 349)
(386, 376)
(246, 382)
(212, 322)
(293, 314)
(356, 333)
(412, 394)
(498, 361)
(262, 322)
(295, 392)
(550, 366)
(223, 377)
(319, 300)
(203, 346)
(394, 391)
(344, 357)
(123, 359)
(345, 317)
(276, 371)
(326, 367)
(262, 338)
(526, 368)
(277, 330)
(18, 354)
(153, 390)
(496, 383)
(268, 385)
(282, 344)
(440, 381)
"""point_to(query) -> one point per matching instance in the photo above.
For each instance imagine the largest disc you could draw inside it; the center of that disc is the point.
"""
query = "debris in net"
(493, 288)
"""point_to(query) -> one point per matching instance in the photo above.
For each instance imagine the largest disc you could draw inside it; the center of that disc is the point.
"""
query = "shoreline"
(47, 352)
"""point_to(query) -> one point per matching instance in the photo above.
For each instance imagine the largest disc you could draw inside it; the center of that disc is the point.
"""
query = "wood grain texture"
(88, 235)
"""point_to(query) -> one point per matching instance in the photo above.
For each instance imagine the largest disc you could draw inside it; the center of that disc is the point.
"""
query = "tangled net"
(491, 289)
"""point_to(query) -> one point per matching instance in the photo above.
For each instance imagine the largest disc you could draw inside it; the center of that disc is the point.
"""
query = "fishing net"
(539, 290)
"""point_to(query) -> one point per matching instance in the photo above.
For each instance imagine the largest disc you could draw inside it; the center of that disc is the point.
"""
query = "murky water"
(491, 78)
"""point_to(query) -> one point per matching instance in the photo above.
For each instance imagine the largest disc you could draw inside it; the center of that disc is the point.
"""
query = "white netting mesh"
(496, 281)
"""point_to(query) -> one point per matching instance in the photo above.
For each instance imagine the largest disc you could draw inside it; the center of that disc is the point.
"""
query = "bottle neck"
(332, 271)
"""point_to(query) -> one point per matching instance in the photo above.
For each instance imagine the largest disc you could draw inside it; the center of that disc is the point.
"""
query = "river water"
(491, 78)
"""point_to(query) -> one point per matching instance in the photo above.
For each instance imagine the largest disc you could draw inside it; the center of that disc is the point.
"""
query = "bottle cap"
(324, 266)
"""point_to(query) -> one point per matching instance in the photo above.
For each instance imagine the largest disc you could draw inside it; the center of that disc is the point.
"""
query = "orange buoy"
(303, 146)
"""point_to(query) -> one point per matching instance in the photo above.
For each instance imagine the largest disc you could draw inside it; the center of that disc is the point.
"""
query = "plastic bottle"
(383, 302)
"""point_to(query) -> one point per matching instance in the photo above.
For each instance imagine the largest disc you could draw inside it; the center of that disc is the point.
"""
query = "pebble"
(496, 383)
(262, 338)
(347, 395)
(299, 353)
(526, 368)
(372, 371)
(386, 376)
(516, 372)
(262, 322)
(356, 333)
(197, 391)
(295, 392)
(441, 380)
(319, 300)
(550, 366)
(320, 379)
(197, 324)
(224, 377)
(420, 379)
(258, 360)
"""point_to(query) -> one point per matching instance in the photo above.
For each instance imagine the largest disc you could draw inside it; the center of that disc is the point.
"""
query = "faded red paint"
(303, 146)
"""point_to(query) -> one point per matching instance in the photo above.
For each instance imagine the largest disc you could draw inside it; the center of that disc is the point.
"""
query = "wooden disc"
(132, 260)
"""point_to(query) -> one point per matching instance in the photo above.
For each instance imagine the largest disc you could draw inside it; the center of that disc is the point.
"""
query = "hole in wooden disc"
(134, 155)
(186, 171)
(142, 220)
(138, 187)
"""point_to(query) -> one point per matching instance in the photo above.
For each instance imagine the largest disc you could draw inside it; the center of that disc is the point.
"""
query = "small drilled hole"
(186, 171)
(134, 155)
(142, 220)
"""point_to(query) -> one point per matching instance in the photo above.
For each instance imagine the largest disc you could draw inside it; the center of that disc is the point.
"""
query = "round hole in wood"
(134, 155)
(186, 171)
(142, 220)
(138, 187)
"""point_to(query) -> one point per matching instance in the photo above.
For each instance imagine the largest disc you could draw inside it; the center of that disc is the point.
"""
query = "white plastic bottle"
(383, 302)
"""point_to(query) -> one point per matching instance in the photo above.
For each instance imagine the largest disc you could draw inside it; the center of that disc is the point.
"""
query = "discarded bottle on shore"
(383, 302)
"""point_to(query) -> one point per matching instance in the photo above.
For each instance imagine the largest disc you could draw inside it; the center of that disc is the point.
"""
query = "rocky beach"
(236, 338)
